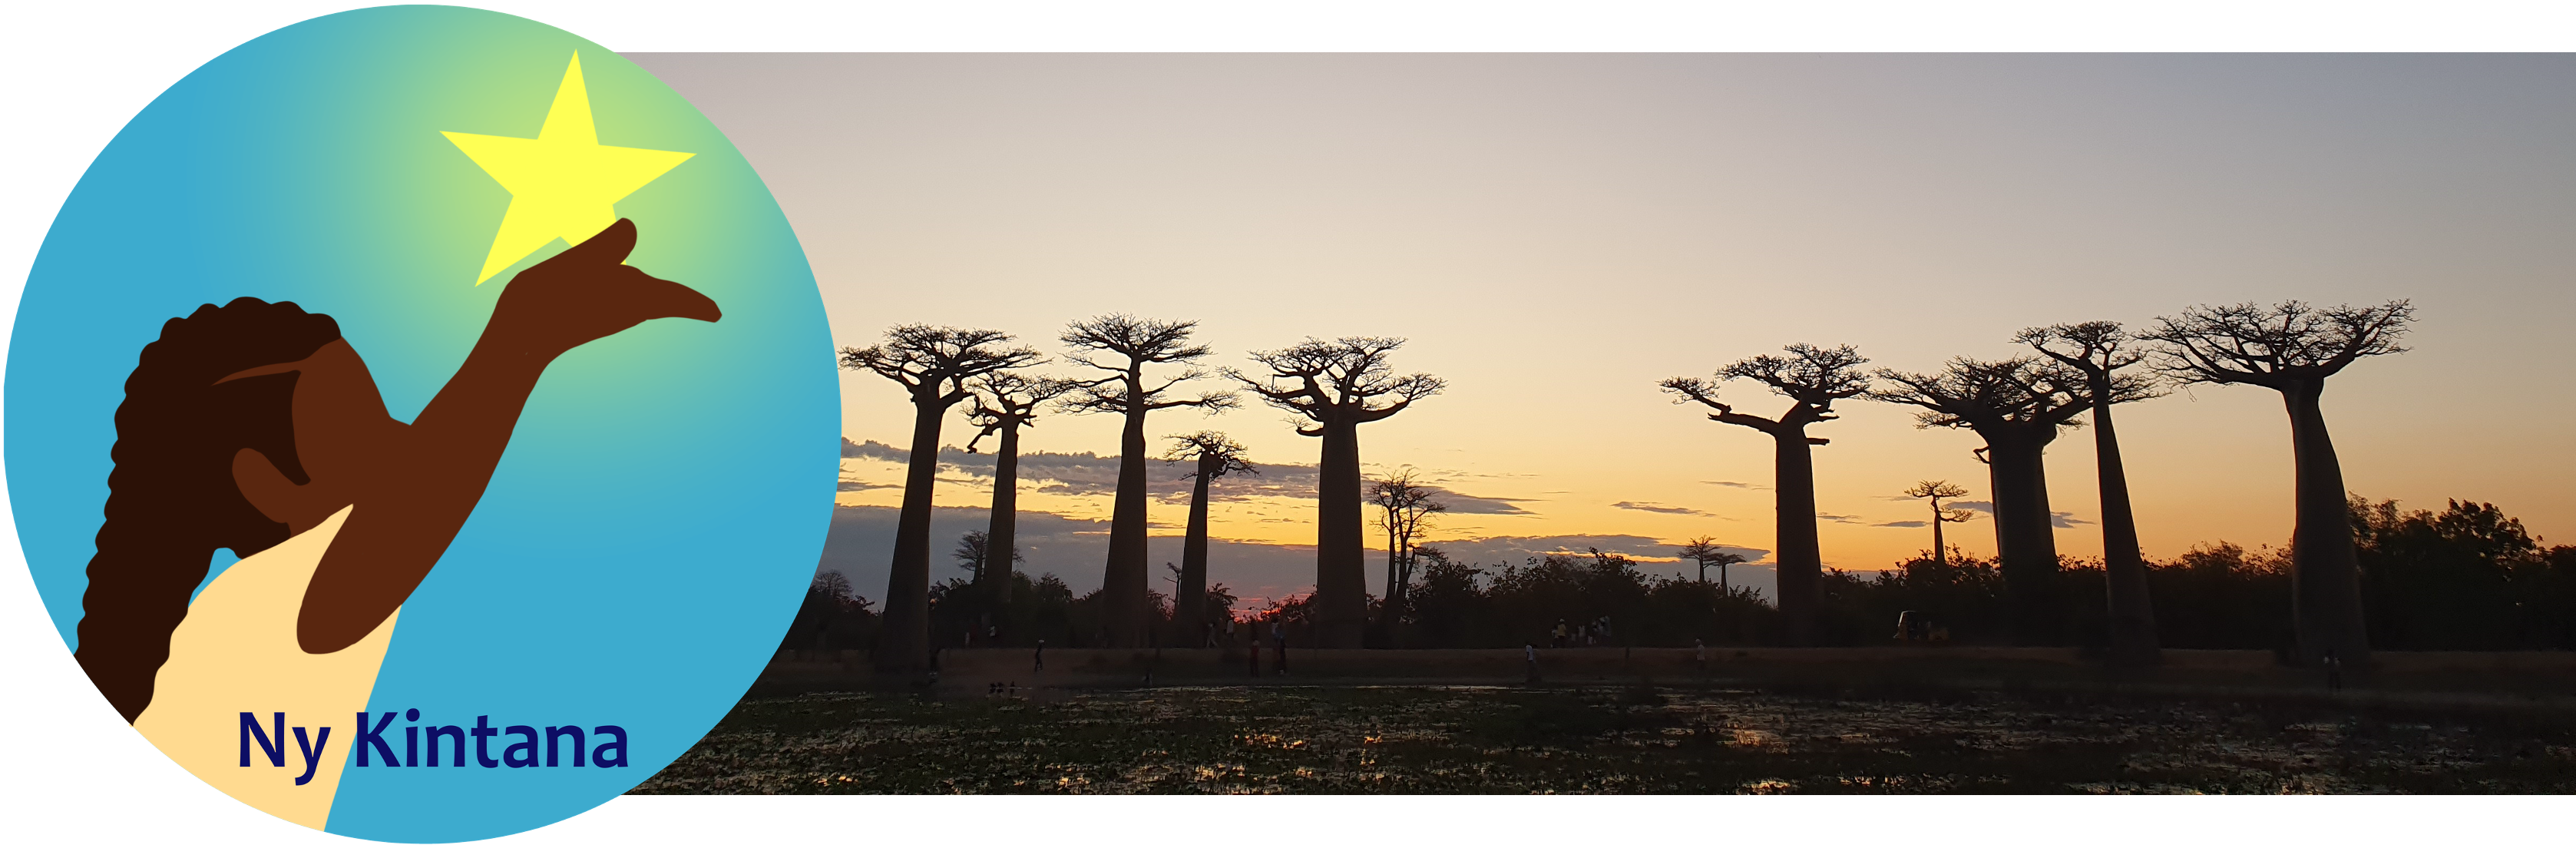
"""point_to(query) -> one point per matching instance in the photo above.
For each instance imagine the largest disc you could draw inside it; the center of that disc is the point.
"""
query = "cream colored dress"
(236, 652)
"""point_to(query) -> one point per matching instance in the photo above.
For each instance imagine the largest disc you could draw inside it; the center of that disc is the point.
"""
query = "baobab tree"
(2017, 405)
(1707, 553)
(1124, 346)
(933, 364)
(2095, 349)
(1936, 491)
(1403, 508)
(2293, 348)
(1005, 402)
(1812, 377)
(1215, 456)
(1337, 385)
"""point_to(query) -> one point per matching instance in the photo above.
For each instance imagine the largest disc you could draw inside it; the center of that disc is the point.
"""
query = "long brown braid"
(171, 498)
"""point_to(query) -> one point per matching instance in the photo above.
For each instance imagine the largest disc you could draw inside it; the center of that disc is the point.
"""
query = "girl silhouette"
(256, 427)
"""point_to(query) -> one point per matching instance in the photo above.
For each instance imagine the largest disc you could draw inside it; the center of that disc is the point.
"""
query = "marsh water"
(1607, 739)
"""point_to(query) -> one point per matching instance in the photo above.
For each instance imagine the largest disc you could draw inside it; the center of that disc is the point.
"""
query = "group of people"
(1595, 632)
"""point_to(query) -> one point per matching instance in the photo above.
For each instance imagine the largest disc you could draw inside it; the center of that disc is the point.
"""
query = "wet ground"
(1602, 740)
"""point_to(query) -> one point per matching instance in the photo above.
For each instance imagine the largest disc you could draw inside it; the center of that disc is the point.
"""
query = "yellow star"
(562, 183)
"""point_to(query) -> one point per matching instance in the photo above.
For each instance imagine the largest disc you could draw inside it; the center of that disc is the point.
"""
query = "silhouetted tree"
(1707, 553)
(2293, 348)
(1936, 491)
(975, 553)
(829, 604)
(1134, 343)
(1216, 456)
(2017, 405)
(1403, 509)
(1338, 385)
(1812, 377)
(2094, 349)
(1004, 402)
(933, 363)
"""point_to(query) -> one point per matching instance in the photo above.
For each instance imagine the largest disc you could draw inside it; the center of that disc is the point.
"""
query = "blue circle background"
(664, 498)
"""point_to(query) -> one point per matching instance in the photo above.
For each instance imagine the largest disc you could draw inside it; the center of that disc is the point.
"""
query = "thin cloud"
(1909, 523)
(1839, 517)
(1651, 507)
(1740, 485)
(1086, 473)
(1463, 503)
(1510, 549)
(2059, 519)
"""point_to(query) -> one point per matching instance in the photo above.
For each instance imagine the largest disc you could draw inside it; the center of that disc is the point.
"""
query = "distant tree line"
(2465, 578)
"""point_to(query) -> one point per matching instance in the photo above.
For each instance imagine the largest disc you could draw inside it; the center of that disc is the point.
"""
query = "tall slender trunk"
(2325, 573)
(1189, 609)
(1123, 606)
(903, 640)
(2025, 539)
(1393, 597)
(2133, 614)
(1002, 537)
(1940, 553)
(1394, 575)
(1341, 568)
(1801, 560)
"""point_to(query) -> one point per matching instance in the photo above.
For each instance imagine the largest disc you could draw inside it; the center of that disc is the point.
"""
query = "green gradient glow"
(665, 494)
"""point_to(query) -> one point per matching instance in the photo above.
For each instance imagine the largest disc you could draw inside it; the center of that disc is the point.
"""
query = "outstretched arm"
(420, 491)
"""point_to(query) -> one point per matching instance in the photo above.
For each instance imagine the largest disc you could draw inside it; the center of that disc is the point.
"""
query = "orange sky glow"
(1556, 233)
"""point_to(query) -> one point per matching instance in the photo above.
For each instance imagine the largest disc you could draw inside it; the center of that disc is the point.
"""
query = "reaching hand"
(587, 293)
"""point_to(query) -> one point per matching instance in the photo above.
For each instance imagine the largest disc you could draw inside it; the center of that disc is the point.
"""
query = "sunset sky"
(1555, 233)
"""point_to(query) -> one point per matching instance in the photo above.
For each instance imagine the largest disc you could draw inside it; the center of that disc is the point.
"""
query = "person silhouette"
(256, 427)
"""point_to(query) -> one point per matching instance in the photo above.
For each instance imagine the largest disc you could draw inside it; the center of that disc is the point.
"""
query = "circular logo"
(421, 423)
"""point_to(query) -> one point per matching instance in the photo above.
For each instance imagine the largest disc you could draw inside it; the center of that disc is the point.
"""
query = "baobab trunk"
(1341, 568)
(1394, 581)
(2133, 615)
(1000, 538)
(1801, 561)
(1940, 552)
(903, 641)
(2325, 575)
(2025, 538)
(1122, 594)
(1189, 609)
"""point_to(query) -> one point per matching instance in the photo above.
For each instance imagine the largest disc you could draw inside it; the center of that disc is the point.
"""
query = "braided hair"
(171, 498)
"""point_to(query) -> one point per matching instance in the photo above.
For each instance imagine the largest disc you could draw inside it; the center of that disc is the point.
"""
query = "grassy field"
(1603, 739)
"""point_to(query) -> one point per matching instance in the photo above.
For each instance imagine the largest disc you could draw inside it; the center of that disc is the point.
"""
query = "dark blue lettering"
(578, 741)
(312, 751)
(483, 734)
(375, 738)
(521, 754)
(276, 752)
(450, 731)
(599, 756)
